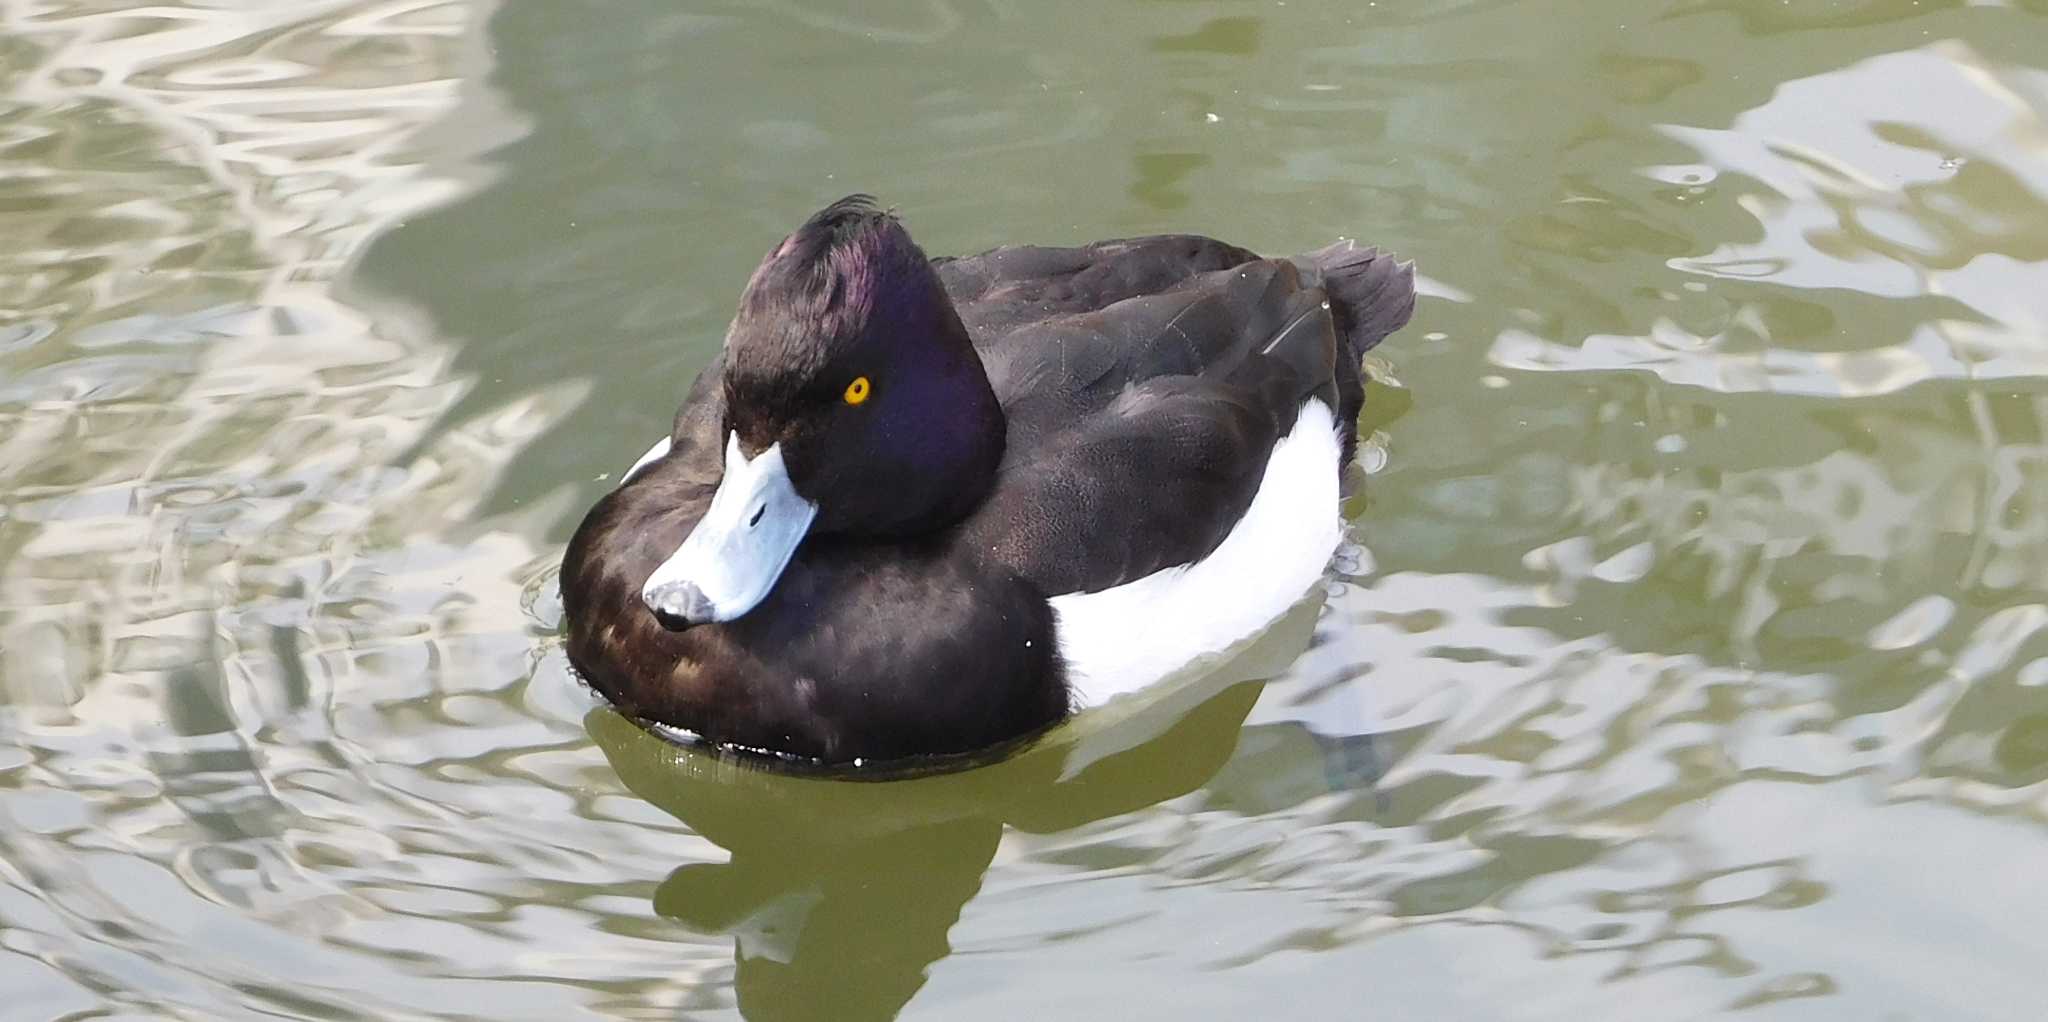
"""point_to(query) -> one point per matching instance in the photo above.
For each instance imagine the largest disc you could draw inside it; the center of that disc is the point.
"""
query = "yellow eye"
(857, 391)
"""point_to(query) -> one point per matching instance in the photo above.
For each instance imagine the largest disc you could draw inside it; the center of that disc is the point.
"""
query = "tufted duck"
(920, 507)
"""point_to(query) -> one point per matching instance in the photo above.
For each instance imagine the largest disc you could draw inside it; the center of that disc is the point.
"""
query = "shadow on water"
(839, 894)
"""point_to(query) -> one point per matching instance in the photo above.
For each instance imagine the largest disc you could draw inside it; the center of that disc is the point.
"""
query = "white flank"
(1122, 639)
(654, 454)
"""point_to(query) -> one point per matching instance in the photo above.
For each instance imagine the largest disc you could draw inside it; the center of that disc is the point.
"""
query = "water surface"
(1690, 658)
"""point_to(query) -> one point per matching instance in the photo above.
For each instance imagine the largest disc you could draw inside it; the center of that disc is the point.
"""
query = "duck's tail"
(1372, 294)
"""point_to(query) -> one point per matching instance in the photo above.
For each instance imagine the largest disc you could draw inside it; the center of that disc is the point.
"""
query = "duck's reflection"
(844, 930)
(839, 895)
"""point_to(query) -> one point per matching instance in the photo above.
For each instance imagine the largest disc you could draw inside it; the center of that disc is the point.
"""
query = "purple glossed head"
(849, 296)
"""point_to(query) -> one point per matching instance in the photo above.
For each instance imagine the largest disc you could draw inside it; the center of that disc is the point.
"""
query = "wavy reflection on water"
(1694, 657)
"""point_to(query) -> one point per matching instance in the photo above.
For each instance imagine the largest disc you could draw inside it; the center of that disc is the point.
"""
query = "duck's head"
(854, 406)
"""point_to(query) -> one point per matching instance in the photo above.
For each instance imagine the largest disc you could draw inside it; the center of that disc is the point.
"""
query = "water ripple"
(1692, 651)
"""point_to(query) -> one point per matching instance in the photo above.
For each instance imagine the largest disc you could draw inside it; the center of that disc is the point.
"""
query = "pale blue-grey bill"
(741, 546)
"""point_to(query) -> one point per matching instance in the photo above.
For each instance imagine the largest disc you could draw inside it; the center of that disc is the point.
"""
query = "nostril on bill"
(758, 512)
(678, 605)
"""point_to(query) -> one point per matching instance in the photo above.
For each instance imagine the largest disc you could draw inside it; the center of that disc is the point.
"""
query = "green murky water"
(1693, 658)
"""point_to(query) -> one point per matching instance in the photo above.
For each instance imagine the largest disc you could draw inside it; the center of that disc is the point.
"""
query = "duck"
(926, 507)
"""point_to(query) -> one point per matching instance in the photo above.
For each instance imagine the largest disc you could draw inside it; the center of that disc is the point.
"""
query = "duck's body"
(1022, 482)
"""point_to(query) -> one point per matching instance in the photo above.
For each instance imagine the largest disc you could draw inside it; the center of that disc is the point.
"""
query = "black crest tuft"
(821, 287)
(830, 263)
(835, 226)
